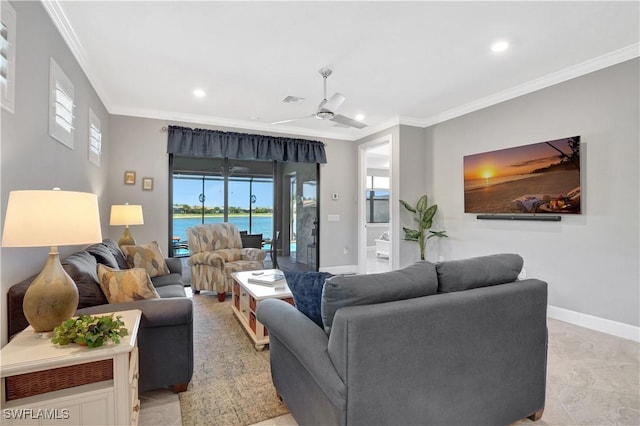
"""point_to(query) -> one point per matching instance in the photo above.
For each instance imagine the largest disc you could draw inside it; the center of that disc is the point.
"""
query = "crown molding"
(60, 20)
(592, 65)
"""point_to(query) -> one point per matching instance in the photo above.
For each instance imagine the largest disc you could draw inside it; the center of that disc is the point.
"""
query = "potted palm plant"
(423, 215)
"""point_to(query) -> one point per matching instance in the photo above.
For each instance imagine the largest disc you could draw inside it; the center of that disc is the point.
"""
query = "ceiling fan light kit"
(327, 108)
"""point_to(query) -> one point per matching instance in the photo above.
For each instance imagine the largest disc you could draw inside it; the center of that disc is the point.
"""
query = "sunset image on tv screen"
(538, 178)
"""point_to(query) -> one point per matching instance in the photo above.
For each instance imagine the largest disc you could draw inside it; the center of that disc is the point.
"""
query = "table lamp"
(125, 214)
(51, 218)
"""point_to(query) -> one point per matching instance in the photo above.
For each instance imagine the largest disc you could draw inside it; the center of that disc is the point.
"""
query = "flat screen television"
(541, 178)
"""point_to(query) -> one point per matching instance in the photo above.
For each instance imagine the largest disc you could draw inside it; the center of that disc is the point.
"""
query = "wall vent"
(293, 100)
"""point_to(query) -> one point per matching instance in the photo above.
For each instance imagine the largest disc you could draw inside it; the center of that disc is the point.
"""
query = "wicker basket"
(39, 382)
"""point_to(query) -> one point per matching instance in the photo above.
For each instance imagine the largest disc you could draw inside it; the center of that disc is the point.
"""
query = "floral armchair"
(216, 252)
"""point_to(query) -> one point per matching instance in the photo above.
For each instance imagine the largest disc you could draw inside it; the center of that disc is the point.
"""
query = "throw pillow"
(117, 253)
(416, 280)
(126, 285)
(148, 257)
(82, 268)
(103, 255)
(484, 271)
(306, 288)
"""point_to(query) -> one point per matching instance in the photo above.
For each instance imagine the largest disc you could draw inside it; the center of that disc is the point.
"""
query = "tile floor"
(592, 379)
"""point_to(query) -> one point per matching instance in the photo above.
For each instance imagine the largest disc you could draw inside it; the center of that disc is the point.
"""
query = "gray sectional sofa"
(456, 343)
(165, 336)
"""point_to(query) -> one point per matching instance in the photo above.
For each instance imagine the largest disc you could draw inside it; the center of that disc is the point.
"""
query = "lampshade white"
(126, 214)
(41, 218)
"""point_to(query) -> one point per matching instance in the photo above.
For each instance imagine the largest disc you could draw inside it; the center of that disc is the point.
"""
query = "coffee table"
(245, 300)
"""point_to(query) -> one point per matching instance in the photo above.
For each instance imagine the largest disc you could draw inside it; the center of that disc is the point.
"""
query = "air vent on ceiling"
(293, 100)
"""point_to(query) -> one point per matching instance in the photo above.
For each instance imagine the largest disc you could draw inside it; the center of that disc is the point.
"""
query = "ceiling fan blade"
(334, 103)
(293, 119)
(348, 121)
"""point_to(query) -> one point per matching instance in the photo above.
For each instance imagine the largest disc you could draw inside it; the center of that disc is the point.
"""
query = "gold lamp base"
(51, 298)
(126, 239)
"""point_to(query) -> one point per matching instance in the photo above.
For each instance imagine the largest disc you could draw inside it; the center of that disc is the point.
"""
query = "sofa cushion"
(117, 253)
(171, 279)
(306, 288)
(103, 255)
(148, 257)
(169, 291)
(484, 271)
(417, 280)
(126, 285)
(82, 268)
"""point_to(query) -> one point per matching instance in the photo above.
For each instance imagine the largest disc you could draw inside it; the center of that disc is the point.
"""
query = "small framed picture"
(147, 184)
(129, 178)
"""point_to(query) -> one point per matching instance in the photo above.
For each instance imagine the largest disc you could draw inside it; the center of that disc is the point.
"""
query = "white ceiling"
(412, 62)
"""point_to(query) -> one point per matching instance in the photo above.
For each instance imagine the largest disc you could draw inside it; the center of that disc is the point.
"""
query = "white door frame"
(362, 221)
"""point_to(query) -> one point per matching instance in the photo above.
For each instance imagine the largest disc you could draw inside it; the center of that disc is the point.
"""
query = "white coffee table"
(245, 300)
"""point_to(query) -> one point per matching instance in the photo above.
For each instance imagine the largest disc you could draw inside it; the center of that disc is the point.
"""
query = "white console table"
(44, 383)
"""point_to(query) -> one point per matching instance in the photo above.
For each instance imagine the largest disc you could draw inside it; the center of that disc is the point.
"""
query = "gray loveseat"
(457, 343)
(165, 336)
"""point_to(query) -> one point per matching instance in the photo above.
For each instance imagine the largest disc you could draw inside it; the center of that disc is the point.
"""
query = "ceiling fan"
(327, 108)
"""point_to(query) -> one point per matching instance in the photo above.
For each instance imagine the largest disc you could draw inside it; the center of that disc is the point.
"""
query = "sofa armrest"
(253, 254)
(306, 341)
(174, 264)
(207, 258)
(155, 312)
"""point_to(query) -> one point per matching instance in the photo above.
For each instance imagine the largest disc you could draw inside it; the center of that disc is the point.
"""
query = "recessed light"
(500, 46)
(359, 117)
(199, 93)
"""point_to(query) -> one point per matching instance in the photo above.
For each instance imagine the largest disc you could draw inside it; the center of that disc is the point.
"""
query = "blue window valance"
(244, 146)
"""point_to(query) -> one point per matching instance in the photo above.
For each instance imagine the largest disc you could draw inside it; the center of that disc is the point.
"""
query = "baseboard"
(603, 325)
(343, 269)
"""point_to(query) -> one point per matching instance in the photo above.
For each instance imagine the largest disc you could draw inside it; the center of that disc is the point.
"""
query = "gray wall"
(30, 158)
(408, 182)
(139, 144)
(591, 261)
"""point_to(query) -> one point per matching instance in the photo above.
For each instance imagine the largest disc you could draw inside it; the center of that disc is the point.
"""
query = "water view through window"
(200, 199)
(278, 200)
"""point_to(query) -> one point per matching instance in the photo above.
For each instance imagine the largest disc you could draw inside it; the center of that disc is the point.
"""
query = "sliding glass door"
(296, 215)
(276, 200)
(217, 190)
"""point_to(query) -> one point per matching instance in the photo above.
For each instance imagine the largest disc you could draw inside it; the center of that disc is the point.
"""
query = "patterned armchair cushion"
(229, 254)
(253, 254)
(213, 236)
(241, 265)
(216, 252)
(206, 258)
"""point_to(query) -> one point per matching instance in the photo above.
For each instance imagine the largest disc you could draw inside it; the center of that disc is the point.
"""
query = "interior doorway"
(375, 219)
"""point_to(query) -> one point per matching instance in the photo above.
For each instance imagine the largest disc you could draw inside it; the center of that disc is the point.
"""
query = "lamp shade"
(126, 214)
(40, 218)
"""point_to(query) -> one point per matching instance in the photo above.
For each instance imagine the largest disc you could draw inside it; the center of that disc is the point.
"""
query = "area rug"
(231, 382)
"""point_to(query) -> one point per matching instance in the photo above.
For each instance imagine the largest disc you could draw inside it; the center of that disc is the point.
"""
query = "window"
(8, 56)
(95, 138)
(377, 196)
(60, 105)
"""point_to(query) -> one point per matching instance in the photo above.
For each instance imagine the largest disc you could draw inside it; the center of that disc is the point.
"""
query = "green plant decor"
(91, 331)
(424, 218)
